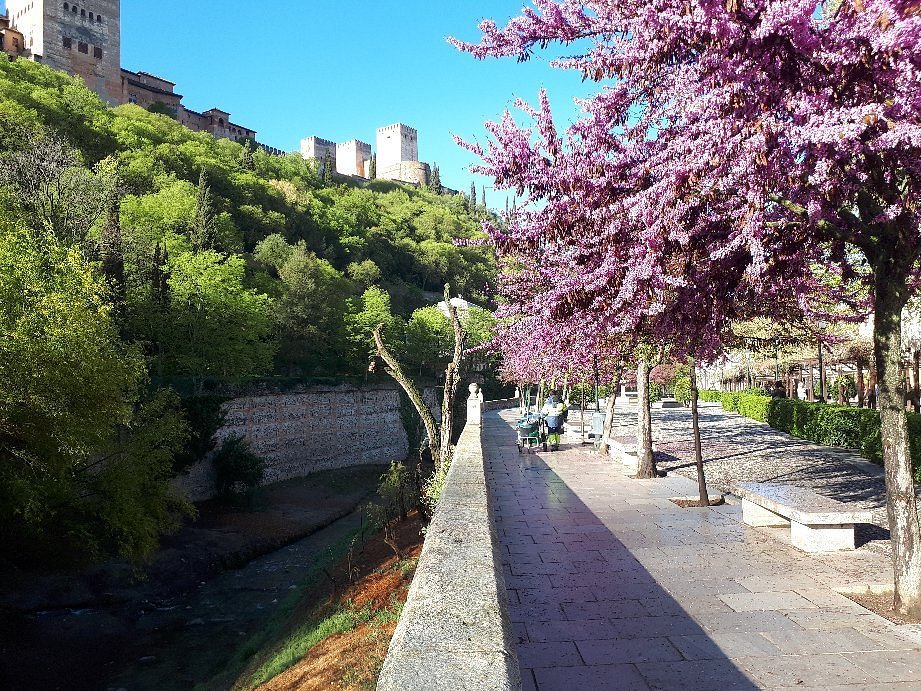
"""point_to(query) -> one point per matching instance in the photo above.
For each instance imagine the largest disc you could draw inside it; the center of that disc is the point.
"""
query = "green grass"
(297, 645)
(273, 629)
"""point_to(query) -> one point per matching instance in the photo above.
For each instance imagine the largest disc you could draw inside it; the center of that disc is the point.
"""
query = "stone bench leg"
(759, 517)
(822, 538)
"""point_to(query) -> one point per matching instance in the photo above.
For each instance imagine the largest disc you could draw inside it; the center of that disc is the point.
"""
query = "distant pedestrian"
(779, 390)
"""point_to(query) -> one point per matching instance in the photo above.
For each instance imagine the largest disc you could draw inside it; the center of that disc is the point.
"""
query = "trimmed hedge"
(730, 401)
(710, 396)
(829, 425)
(754, 406)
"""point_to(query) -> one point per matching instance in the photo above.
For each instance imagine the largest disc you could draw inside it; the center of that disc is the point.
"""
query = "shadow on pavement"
(586, 612)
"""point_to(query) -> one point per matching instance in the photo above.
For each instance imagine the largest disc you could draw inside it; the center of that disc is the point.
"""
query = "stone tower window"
(83, 47)
(99, 19)
(68, 43)
(66, 7)
(74, 9)
(97, 52)
(91, 16)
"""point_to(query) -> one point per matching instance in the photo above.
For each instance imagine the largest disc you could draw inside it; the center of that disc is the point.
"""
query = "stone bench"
(817, 523)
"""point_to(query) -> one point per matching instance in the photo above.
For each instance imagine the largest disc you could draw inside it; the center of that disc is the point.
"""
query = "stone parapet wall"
(316, 428)
(454, 632)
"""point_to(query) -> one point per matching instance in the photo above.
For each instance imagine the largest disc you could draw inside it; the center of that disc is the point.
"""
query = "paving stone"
(753, 602)
(603, 652)
(901, 665)
(534, 655)
(755, 622)
(570, 630)
(696, 675)
(818, 642)
(731, 644)
(803, 671)
(595, 678)
(605, 609)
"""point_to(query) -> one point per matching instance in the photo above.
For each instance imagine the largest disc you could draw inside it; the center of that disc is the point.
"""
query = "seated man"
(555, 410)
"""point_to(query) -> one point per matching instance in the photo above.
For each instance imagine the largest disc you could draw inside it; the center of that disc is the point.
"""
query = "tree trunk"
(698, 452)
(609, 419)
(452, 378)
(905, 532)
(811, 384)
(396, 371)
(646, 462)
(861, 393)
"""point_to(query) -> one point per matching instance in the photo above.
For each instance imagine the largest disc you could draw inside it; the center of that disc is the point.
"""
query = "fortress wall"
(317, 428)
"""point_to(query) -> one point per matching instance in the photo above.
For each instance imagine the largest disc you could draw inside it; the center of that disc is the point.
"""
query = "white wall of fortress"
(396, 144)
(311, 429)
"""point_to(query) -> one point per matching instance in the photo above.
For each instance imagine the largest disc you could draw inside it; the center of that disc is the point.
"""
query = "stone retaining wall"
(454, 632)
(311, 429)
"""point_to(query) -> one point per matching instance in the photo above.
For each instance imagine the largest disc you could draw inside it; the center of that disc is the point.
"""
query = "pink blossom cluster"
(738, 157)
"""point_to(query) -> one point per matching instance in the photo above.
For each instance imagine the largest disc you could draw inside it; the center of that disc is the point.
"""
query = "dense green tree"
(365, 274)
(202, 231)
(215, 327)
(310, 316)
(80, 474)
(435, 183)
(372, 308)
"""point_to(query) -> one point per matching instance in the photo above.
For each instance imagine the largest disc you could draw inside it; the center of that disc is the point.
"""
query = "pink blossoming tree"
(737, 153)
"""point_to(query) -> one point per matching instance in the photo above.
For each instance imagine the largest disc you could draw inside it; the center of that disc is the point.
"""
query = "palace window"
(97, 52)
(68, 43)
(83, 47)
(66, 7)
(99, 19)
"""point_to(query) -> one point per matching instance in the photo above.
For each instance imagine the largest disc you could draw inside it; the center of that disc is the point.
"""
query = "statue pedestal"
(475, 406)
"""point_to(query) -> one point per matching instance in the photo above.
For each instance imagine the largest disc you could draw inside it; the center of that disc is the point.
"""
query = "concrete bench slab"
(817, 523)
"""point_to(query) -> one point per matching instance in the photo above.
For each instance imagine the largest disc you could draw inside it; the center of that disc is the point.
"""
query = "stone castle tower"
(81, 38)
(398, 155)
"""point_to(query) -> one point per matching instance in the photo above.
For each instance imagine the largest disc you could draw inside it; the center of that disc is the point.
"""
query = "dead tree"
(439, 439)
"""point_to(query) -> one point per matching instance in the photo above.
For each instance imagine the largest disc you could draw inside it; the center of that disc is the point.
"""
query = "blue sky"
(339, 70)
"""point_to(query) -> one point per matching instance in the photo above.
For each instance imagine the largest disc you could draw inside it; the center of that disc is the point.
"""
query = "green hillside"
(140, 261)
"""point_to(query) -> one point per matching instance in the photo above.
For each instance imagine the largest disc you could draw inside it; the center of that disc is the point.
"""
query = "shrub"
(237, 470)
(730, 401)
(683, 389)
(754, 406)
(710, 396)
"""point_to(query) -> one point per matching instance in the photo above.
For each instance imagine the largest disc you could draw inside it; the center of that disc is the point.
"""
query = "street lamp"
(821, 366)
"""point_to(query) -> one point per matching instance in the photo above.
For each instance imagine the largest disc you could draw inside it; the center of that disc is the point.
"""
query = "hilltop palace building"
(397, 155)
(84, 40)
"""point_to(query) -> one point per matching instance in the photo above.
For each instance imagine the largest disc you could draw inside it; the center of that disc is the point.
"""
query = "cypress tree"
(472, 202)
(372, 172)
(436, 179)
(328, 169)
(113, 255)
(246, 160)
(483, 197)
(203, 230)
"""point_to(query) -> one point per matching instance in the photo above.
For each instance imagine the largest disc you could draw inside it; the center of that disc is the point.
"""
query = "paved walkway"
(612, 586)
